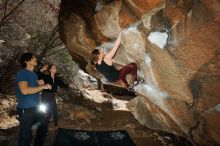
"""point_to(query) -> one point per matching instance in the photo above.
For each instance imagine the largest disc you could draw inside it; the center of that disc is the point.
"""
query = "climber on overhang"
(103, 64)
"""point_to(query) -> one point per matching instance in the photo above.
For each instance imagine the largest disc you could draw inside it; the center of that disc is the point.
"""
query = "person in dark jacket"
(103, 64)
(27, 91)
(48, 96)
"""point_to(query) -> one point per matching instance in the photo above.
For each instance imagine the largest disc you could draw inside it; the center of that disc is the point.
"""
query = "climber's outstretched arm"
(112, 52)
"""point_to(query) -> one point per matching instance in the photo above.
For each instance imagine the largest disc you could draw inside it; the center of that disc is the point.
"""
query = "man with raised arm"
(27, 91)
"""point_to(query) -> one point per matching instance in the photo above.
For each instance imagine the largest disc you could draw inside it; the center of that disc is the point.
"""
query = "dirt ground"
(83, 114)
(87, 115)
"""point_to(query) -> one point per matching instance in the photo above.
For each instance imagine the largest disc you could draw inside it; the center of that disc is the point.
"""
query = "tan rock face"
(174, 13)
(168, 75)
(214, 7)
(212, 119)
(77, 39)
(209, 90)
(107, 19)
(176, 10)
(180, 93)
(7, 106)
(158, 117)
(142, 6)
(125, 18)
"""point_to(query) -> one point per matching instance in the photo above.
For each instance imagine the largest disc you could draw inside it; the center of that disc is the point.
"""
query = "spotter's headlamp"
(43, 108)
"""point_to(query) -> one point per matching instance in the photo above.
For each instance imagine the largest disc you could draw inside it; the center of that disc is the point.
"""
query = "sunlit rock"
(158, 38)
(7, 106)
(133, 40)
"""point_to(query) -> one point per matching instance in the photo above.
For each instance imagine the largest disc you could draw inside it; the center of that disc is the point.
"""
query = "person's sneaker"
(140, 81)
(131, 89)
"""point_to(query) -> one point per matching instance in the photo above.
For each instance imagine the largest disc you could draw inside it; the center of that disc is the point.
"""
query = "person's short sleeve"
(21, 76)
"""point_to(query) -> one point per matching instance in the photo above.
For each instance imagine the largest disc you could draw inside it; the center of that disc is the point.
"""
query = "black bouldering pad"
(74, 137)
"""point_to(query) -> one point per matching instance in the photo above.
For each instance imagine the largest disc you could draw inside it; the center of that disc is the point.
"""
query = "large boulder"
(180, 93)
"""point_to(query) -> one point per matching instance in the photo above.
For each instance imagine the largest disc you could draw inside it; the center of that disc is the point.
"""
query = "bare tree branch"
(5, 9)
(5, 16)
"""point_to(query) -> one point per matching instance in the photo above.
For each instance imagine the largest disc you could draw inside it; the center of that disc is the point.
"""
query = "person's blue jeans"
(27, 118)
